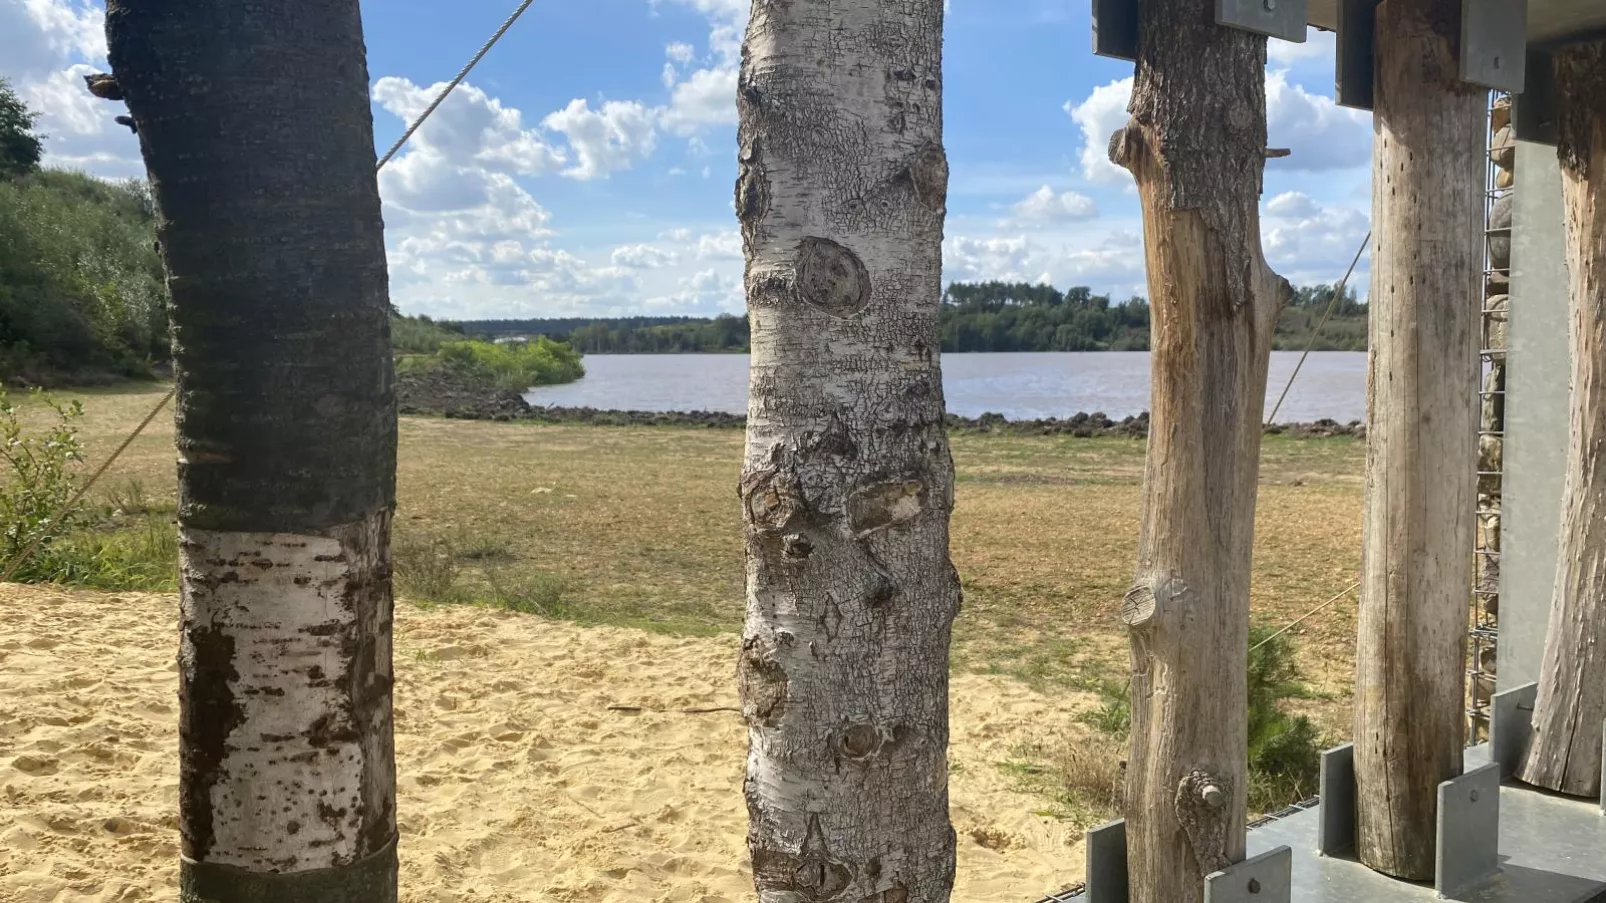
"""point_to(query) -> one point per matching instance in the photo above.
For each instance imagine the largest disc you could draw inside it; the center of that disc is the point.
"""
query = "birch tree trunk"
(254, 123)
(1195, 145)
(1422, 424)
(1566, 748)
(848, 483)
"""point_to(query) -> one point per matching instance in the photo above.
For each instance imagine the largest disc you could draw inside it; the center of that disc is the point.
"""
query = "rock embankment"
(458, 395)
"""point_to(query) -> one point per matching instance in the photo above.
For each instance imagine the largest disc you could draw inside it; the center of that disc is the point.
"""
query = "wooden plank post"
(1565, 754)
(1422, 419)
(1196, 145)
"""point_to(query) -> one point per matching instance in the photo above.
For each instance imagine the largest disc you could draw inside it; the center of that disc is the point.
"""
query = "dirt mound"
(459, 392)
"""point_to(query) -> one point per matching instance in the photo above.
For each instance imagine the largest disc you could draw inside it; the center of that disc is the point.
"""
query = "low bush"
(1284, 749)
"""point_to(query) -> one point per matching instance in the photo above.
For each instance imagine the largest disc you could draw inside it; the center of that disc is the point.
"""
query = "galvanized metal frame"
(1494, 37)
(1510, 725)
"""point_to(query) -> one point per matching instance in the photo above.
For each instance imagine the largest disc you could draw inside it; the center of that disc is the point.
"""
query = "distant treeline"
(983, 316)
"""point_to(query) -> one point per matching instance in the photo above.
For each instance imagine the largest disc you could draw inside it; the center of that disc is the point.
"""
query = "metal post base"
(1467, 847)
(1267, 878)
(1336, 831)
(1511, 716)
(1106, 863)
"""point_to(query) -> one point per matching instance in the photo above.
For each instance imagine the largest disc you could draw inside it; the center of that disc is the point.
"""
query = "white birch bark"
(848, 483)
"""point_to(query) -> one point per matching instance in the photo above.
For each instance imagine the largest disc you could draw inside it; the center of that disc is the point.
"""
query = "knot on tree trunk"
(1204, 807)
(1125, 146)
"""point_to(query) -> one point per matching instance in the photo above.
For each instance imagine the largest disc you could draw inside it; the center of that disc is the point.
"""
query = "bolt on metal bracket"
(1283, 19)
(1267, 878)
(1511, 716)
(1467, 844)
(1494, 39)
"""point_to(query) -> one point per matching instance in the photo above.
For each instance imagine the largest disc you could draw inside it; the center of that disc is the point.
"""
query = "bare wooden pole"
(1196, 147)
(1421, 453)
(1565, 753)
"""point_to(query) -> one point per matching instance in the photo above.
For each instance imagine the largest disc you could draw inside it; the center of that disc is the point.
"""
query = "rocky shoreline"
(443, 393)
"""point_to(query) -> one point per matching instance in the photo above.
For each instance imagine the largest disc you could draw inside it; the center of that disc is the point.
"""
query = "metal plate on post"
(1115, 29)
(1468, 840)
(1274, 18)
(1357, 40)
(1336, 832)
(1494, 42)
(1603, 768)
(1106, 863)
(1533, 112)
(1267, 878)
(1511, 716)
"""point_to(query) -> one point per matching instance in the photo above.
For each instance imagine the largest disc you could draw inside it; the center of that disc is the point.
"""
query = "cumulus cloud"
(1099, 116)
(725, 245)
(1308, 242)
(614, 137)
(1321, 134)
(1046, 206)
(643, 257)
(46, 47)
(1113, 264)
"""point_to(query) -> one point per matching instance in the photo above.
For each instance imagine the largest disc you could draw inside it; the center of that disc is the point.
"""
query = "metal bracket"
(1106, 863)
(1283, 19)
(1511, 715)
(1267, 878)
(1494, 36)
(1335, 832)
(1357, 32)
(1467, 847)
(1115, 29)
(1533, 112)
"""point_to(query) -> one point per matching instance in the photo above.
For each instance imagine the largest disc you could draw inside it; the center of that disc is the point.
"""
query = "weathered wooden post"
(1565, 752)
(1196, 147)
(1427, 215)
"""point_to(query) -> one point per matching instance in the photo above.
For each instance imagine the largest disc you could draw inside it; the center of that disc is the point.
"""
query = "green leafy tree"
(20, 148)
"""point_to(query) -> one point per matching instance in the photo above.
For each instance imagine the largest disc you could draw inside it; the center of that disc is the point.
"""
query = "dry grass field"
(639, 527)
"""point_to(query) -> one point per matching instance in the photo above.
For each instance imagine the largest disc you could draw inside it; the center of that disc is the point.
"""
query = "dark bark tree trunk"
(1566, 749)
(848, 483)
(255, 127)
(1422, 428)
(1196, 147)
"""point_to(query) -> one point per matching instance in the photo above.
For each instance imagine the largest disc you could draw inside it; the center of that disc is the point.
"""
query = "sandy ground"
(517, 783)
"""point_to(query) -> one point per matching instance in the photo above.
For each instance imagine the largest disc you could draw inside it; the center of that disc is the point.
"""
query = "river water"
(1024, 385)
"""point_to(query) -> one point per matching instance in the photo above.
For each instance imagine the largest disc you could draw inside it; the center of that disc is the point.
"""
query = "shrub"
(1284, 749)
(516, 365)
(41, 474)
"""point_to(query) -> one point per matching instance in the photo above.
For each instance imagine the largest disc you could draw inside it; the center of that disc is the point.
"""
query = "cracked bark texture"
(1195, 146)
(1565, 754)
(1422, 422)
(848, 483)
(254, 123)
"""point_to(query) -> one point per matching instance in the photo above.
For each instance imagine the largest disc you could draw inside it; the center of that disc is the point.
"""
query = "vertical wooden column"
(1422, 423)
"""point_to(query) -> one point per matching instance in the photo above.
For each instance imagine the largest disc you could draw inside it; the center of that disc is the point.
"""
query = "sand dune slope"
(517, 781)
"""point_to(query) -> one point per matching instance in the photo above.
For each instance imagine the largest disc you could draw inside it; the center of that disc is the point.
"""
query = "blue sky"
(585, 167)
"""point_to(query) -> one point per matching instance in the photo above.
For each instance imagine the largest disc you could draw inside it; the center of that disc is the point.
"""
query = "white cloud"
(719, 246)
(470, 128)
(643, 257)
(1308, 243)
(1292, 204)
(606, 140)
(680, 234)
(1045, 206)
(1099, 116)
(680, 52)
(1114, 264)
(706, 98)
(1322, 135)
(46, 47)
